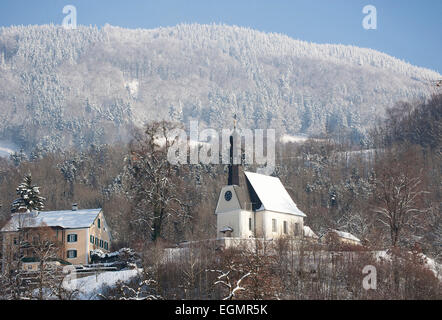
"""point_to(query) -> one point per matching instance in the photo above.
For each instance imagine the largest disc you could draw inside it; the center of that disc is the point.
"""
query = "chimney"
(74, 207)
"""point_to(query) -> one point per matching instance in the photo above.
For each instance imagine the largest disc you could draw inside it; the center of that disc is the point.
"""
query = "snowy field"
(90, 287)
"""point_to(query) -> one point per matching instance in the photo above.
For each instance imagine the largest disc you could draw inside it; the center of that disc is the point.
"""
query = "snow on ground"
(90, 287)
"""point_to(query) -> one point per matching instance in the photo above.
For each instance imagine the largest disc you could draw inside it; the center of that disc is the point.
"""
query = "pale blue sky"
(410, 30)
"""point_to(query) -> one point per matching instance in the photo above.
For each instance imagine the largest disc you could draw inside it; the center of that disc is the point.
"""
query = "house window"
(72, 254)
(285, 227)
(250, 224)
(106, 245)
(296, 229)
(101, 243)
(99, 223)
(92, 239)
(15, 241)
(96, 241)
(72, 237)
(273, 225)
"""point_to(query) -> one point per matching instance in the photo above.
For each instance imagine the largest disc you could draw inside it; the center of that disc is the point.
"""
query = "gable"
(226, 206)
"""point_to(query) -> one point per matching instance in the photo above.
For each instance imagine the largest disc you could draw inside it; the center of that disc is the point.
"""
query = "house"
(340, 237)
(77, 233)
(254, 205)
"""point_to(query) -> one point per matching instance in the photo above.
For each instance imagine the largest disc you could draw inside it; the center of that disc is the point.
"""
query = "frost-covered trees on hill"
(91, 86)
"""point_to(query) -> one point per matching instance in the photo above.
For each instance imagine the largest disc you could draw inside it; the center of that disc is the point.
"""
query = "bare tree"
(154, 184)
(45, 249)
(398, 193)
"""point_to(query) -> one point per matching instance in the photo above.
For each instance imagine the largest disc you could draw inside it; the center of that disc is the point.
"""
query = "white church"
(253, 205)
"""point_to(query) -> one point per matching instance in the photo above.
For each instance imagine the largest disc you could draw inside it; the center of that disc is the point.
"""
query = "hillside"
(63, 88)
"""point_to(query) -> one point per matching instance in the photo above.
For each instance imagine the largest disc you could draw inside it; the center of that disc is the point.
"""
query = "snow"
(67, 219)
(132, 86)
(346, 235)
(90, 287)
(295, 139)
(431, 264)
(273, 195)
(308, 232)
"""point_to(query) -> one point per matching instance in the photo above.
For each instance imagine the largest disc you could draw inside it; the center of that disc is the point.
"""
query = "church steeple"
(233, 167)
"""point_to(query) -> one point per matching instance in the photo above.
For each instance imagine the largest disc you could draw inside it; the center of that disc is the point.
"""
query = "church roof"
(67, 219)
(273, 195)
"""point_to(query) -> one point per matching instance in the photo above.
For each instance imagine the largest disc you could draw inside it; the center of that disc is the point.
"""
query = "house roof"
(308, 232)
(273, 195)
(346, 235)
(67, 219)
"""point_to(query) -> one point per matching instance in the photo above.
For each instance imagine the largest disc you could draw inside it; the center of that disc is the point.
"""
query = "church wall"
(265, 223)
(238, 220)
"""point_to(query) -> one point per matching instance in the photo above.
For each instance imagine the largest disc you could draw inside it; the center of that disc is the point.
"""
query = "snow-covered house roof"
(346, 235)
(67, 219)
(308, 232)
(273, 195)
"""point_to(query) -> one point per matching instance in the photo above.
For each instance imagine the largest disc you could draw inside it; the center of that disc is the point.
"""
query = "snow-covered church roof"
(273, 195)
(67, 219)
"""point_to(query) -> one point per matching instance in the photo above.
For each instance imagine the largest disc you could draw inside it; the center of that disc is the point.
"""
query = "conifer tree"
(29, 197)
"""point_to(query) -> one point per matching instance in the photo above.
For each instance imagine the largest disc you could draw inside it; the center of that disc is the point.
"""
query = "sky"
(410, 30)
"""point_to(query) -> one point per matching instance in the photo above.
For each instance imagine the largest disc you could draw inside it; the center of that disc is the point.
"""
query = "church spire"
(233, 167)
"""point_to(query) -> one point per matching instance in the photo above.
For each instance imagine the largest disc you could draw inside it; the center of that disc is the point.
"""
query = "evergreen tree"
(29, 199)
(18, 157)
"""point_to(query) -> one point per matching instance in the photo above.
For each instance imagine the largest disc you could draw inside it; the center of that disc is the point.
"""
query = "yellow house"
(78, 231)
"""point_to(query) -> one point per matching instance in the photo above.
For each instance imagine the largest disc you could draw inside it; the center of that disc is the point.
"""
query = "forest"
(95, 85)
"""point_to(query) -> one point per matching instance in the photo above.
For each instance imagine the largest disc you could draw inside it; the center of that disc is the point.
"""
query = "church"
(254, 205)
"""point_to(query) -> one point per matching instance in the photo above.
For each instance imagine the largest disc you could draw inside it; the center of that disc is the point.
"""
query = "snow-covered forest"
(91, 86)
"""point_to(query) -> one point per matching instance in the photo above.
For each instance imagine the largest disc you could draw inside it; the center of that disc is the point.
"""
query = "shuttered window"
(72, 254)
(72, 237)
